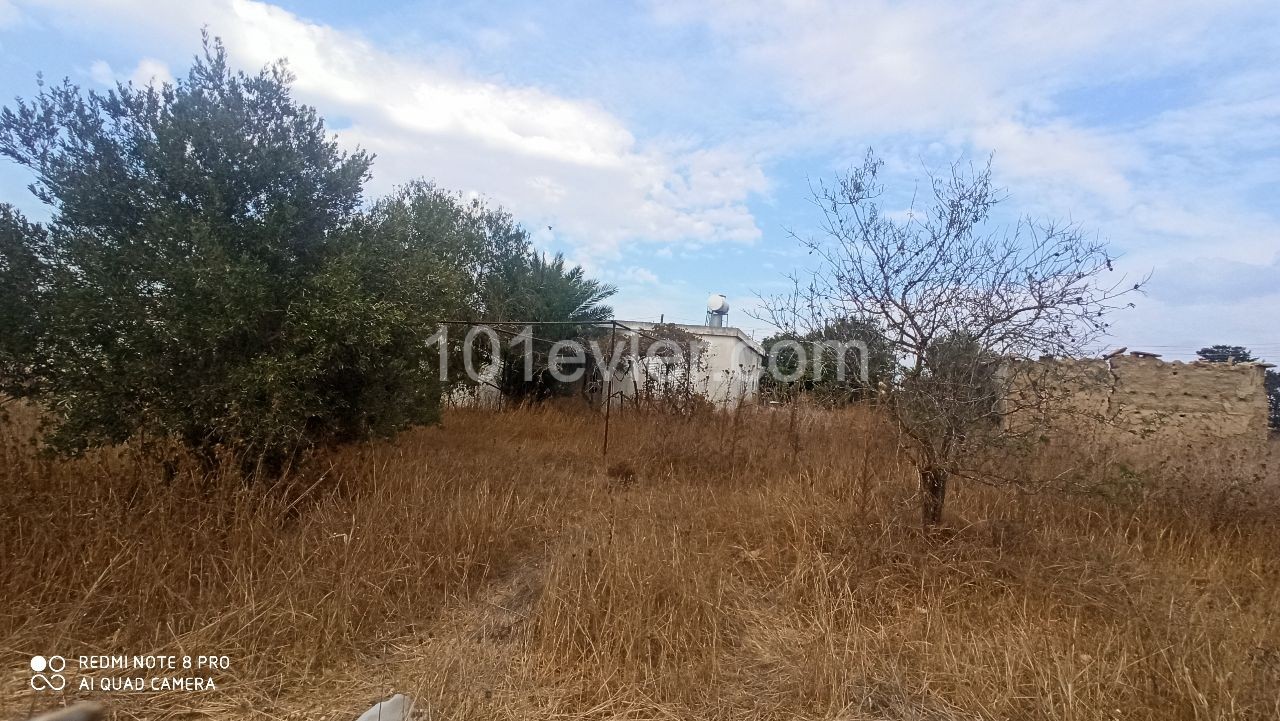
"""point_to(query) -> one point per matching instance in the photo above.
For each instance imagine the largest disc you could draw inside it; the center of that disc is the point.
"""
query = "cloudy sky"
(669, 146)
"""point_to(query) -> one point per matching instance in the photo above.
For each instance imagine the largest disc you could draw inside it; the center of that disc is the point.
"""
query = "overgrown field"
(729, 568)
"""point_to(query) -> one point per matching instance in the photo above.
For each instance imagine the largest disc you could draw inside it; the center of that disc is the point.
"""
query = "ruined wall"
(1171, 411)
(1194, 402)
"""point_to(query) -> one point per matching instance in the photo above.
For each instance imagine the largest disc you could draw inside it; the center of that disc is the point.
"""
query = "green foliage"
(478, 265)
(432, 244)
(24, 270)
(1226, 353)
(818, 378)
(555, 291)
(203, 276)
(1272, 382)
(208, 274)
(448, 247)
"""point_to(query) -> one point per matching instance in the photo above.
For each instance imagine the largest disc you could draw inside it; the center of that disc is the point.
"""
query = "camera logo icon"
(46, 673)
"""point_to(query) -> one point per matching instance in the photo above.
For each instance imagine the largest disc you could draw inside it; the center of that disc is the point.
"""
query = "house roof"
(701, 330)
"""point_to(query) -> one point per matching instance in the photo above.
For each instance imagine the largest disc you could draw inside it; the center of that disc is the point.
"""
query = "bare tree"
(962, 301)
(669, 366)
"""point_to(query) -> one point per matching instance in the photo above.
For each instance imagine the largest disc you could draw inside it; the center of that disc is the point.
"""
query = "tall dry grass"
(497, 567)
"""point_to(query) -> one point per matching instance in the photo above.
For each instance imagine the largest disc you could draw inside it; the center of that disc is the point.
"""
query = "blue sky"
(669, 146)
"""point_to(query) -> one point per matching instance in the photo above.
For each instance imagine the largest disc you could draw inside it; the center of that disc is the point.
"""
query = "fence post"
(608, 393)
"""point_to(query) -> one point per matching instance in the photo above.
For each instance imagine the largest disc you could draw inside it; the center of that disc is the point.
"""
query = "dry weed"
(497, 567)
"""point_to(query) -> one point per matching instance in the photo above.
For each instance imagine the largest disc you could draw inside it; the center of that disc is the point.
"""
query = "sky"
(670, 147)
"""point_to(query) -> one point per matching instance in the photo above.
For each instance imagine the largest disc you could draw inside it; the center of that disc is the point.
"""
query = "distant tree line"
(807, 362)
(210, 273)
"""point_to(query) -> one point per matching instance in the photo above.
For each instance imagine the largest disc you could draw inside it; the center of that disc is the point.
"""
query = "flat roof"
(702, 330)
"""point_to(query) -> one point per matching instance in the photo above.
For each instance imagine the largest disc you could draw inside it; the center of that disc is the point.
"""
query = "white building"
(727, 371)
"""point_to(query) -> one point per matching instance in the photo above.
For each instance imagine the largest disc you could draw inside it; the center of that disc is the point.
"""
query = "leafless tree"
(668, 364)
(962, 301)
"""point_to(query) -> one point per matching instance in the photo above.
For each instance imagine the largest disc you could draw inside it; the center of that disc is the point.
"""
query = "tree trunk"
(933, 494)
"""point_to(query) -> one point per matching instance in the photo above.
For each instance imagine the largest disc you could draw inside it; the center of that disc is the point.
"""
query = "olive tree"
(962, 301)
(24, 246)
(204, 275)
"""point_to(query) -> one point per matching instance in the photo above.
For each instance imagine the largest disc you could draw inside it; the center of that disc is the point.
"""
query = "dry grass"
(497, 567)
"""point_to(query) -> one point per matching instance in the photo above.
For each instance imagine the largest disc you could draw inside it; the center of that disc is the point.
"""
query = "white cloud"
(637, 275)
(884, 66)
(553, 160)
(1208, 280)
(1172, 179)
(1070, 165)
(149, 71)
(927, 81)
(102, 73)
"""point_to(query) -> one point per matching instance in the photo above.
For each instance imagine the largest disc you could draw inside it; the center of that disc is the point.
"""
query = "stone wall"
(1197, 402)
(1166, 408)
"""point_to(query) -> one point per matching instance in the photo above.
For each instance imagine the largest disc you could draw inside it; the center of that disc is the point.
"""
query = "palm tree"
(547, 290)
(558, 293)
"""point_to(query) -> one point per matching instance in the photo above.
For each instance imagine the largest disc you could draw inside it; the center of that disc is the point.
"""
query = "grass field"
(497, 567)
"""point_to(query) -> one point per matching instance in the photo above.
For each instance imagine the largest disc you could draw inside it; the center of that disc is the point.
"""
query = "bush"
(204, 275)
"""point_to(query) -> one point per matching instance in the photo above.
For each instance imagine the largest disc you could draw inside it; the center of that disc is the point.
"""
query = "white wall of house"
(730, 368)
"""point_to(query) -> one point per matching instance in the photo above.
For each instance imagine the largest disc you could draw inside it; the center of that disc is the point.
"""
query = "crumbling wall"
(1196, 403)
(1209, 419)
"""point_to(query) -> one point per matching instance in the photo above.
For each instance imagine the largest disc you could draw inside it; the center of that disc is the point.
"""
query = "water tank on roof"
(717, 309)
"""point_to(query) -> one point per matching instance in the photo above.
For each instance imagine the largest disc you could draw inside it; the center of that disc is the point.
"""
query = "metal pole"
(608, 394)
